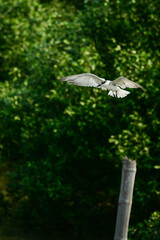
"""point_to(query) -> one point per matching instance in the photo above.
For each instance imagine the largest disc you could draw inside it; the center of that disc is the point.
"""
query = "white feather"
(119, 93)
(115, 87)
(126, 83)
(122, 93)
(84, 79)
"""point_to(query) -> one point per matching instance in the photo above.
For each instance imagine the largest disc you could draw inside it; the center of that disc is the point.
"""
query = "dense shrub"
(64, 145)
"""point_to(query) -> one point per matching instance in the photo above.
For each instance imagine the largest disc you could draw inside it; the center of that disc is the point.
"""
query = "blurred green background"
(62, 146)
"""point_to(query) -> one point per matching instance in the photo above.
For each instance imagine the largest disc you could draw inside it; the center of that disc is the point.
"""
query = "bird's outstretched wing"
(126, 83)
(84, 79)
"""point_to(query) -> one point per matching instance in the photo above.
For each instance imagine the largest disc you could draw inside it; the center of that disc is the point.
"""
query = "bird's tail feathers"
(119, 93)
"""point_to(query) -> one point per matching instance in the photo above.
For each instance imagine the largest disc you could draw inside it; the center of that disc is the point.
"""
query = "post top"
(129, 164)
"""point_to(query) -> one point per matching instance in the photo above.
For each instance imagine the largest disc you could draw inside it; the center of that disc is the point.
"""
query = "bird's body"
(115, 87)
(109, 86)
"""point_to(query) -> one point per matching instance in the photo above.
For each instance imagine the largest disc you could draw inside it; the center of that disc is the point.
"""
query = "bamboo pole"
(125, 199)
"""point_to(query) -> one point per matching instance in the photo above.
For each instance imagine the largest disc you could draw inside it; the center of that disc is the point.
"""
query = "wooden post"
(125, 199)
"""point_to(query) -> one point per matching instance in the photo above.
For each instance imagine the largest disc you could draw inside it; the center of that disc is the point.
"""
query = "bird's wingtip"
(141, 87)
(62, 79)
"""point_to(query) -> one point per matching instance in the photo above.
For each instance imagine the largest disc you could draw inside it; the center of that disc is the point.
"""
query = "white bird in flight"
(115, 87)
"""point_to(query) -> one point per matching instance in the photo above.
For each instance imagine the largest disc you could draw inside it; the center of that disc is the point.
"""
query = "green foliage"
(63, 145)
(149, 229)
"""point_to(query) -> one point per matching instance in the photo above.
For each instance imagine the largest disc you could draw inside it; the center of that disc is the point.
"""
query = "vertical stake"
(125, 199)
